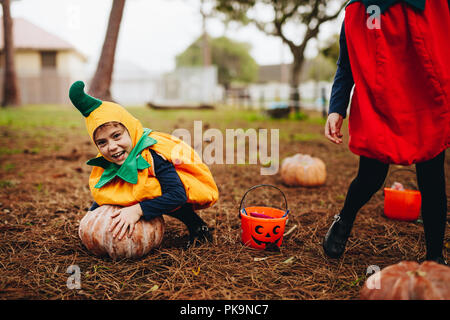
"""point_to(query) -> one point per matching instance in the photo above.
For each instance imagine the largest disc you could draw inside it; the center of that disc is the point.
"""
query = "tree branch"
(313, 32)
(287, 15)
(278, 23)
(334, 16)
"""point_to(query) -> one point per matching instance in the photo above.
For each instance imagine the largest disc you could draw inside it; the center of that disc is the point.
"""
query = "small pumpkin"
(95, 235)
(409, 280)
(303, 170)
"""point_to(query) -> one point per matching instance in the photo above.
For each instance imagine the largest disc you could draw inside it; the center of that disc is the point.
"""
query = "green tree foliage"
(321, 68)
(232, 58)
(331, 48)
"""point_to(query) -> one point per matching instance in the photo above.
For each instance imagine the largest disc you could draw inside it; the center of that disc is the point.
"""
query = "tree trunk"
(11, 94)
(101, 83)
(206, 52)
(294, 83)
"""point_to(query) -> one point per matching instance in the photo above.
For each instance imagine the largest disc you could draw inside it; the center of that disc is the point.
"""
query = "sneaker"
(336, 238)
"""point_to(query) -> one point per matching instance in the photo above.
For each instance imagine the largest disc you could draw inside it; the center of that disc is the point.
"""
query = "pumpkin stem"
(417, 273)
(81, 100)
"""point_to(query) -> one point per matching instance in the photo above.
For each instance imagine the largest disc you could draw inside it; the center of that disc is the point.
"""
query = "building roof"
(30, 36)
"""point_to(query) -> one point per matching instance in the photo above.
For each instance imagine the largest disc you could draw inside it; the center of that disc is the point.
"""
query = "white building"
(273, 85)
(189, 86)
(132, 84)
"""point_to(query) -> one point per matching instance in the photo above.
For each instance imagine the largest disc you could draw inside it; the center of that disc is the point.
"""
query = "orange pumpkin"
(303, 170)
(95, 235)
(408, 280)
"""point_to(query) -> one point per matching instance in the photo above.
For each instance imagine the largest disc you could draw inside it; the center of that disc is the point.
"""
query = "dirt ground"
(44, 193)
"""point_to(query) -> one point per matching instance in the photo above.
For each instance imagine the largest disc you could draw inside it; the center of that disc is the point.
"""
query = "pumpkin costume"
(400, 108)
(136, 181)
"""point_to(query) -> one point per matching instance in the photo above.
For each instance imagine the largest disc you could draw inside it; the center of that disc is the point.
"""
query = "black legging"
(431, 180)
(188, 216)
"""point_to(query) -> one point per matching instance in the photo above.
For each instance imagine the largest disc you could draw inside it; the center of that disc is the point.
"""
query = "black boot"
(199, 234)
(336, 238)
(198, 230)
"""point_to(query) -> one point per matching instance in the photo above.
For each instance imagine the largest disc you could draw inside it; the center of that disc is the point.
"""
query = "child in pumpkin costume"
(149, 173)
(400, 109)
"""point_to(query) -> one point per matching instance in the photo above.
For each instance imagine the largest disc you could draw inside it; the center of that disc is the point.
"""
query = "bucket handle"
(397, 170)
(263, 185)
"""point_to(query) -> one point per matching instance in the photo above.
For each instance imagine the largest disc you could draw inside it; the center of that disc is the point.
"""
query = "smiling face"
(113, 142)
(266, 235)
(263, 227)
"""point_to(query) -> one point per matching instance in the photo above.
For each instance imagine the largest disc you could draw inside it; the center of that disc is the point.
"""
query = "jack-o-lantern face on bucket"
(264, 234)
(267, 235)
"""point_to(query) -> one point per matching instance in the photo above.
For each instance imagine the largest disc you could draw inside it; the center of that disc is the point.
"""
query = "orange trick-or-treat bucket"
(262, 227)
(402, 204)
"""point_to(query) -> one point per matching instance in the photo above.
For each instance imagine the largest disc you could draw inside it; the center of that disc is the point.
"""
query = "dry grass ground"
(44, 194)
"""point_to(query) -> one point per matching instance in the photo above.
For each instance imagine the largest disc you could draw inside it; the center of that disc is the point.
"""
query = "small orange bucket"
(262, 227)
(402, 205)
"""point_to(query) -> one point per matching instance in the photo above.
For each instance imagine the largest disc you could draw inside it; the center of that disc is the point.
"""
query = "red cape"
(400, 110)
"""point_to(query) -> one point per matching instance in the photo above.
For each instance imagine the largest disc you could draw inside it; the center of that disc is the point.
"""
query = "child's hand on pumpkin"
(125, 218)
(333, 127)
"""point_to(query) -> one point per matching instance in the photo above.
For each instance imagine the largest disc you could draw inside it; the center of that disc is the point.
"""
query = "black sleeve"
(343, 80)
(172, 189)
(94, 206)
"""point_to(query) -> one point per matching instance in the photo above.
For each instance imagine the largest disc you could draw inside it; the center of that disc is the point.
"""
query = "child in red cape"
(400, 108)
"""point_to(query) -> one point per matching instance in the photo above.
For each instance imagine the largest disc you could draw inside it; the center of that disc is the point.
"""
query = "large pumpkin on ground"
(303, 170)
(95, 235)
(408, 280)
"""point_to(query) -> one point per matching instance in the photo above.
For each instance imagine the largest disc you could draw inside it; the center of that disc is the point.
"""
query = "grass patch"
(31, 119)
(8, 166)
(56, 147)
(340, 197)
(316, 120)
(9, 151)
(298, 116)
(306, 137)
(6, 184)
(40, 116)
(39, 187)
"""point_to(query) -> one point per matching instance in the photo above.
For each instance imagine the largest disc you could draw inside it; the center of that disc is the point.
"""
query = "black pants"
(431, 180)
(188, 216)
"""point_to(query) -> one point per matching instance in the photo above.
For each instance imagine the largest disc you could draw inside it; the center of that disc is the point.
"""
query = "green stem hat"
(81, 100)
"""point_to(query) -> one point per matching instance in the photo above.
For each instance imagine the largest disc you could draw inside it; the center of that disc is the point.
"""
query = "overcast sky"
(152, 33)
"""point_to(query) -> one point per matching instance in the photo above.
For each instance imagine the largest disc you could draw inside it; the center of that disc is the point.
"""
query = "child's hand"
(333, 127)
(125, 218)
